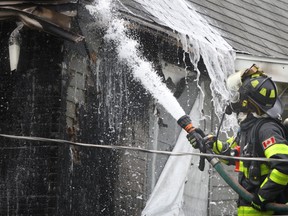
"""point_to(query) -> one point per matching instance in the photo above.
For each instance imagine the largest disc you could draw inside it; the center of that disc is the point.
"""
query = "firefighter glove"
(194, 138)
(258, 203)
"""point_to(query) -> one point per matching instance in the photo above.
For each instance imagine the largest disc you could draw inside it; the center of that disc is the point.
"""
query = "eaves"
(277, 68)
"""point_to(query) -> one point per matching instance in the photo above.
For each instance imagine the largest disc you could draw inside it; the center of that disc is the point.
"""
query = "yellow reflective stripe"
(272, 94)
(254, 83)
(255, 75)
(279, 177)
(276, 149)
(264, 169)
(263, 91)
(264, 182)
(247, 210)
(261, 198)
(234, 145)
(243, 169)
(230, 140)
(244, 103)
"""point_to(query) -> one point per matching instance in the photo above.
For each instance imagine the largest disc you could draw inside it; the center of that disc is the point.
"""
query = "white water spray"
(199, 39)
(142, 69)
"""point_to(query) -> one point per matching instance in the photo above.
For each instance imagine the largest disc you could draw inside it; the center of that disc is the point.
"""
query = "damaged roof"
(254, 27)
(51, 16)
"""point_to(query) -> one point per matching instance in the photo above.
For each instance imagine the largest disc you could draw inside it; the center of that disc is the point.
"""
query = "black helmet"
(254, 86)
(261, 90)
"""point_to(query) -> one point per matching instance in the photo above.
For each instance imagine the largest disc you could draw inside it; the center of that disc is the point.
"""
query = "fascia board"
(277, 68)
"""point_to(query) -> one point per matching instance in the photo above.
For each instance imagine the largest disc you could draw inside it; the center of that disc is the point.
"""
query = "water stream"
(128, 52)
(197, 38)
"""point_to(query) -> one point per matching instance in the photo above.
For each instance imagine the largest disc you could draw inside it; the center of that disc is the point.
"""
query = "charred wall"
(78, 92)
(30, 105)
(104, 105)
(82, 93)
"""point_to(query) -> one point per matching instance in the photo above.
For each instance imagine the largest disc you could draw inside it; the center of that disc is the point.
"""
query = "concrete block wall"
(80, 92)
(104, 106)
(222, 199)
(131, 183)
(30, 105)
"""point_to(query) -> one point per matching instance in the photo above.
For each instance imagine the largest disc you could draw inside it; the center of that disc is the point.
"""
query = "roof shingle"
(258, 27)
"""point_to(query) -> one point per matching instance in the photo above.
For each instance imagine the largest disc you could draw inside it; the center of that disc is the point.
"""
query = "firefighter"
(258, 110)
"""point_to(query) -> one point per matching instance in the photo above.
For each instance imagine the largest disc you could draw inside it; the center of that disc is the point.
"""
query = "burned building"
(62, 80)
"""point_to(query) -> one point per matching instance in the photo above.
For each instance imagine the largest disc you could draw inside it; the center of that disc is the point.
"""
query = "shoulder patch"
(268, 142)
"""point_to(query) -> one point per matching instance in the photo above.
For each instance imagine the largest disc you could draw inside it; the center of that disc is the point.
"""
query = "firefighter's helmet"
(253, 85)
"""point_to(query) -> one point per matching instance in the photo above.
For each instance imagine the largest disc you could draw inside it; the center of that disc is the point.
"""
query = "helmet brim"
(274, 112)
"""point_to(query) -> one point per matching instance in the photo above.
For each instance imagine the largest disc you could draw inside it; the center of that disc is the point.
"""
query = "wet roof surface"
(257, 27)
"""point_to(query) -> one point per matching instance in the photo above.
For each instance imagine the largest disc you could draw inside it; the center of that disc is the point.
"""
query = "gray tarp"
(181, 190)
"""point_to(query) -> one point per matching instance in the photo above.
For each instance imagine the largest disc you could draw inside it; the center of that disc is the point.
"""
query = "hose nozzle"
(186, 123)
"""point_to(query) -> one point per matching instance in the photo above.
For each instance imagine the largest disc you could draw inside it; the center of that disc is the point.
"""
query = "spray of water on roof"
(128, 52)
(199, 39)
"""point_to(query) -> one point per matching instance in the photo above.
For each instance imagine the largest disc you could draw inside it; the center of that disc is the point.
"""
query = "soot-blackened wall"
(30, 105)
(104, 105)
(69, 91)
(83, 93)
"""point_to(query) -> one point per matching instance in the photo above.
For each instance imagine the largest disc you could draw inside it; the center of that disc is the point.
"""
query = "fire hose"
(186, 123)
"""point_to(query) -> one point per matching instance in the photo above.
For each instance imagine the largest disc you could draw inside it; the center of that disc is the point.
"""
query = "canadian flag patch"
(268, 142)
